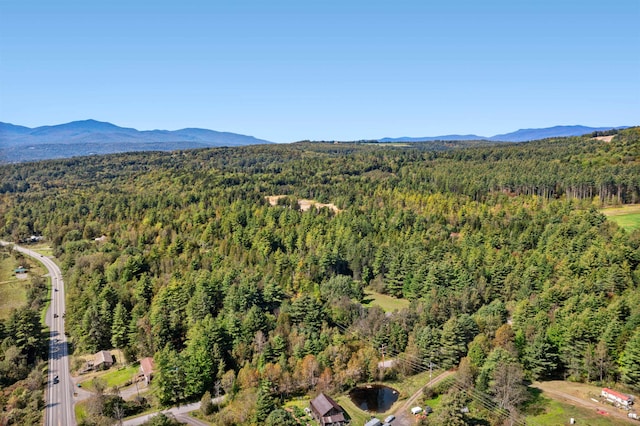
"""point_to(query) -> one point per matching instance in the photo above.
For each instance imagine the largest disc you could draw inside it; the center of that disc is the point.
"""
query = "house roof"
(336, 418)
(147, 365)
(102, 357)
(617, 394)
(323, 404)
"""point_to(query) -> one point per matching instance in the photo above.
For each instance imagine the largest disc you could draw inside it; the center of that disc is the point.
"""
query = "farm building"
(617, 397)
(147, 368)
(326, 411)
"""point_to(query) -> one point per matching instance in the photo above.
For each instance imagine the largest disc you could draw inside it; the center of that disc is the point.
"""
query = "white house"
(617, 397)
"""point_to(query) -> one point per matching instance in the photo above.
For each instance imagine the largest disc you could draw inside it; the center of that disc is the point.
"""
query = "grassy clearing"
(301, 403)
(434, 403)
(43, 249)
(13, 293)
(358, 417)
(627, 216)
(553, 412)
(388, 303)
(81, 411)
(112, 377)
(407, 386)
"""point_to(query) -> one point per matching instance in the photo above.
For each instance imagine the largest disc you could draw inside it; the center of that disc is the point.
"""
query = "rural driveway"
(403, 413)
(180, 413)
(551, 389)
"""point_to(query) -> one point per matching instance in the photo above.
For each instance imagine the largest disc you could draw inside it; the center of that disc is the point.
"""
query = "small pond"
(374, 398)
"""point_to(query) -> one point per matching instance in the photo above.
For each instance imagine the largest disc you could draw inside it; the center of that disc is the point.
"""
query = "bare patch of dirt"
(304, 204)
(605, 138)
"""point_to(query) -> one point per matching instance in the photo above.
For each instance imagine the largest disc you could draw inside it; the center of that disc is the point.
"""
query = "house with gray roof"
(326, 411)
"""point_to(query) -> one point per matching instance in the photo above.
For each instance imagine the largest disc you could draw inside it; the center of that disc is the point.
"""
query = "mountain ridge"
(89, 137)
(521, 135)
(93, 131)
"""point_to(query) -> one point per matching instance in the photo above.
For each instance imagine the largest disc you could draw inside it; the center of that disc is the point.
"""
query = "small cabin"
(147, 368)
(102, 360)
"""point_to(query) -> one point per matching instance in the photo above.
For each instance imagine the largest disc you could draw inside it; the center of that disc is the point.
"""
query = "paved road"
(59, 393)
(180, 413)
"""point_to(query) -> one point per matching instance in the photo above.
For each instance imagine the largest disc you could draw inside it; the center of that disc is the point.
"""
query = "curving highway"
(59, 389)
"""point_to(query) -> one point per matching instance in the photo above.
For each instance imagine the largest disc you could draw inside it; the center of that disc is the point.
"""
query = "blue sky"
(290, 70)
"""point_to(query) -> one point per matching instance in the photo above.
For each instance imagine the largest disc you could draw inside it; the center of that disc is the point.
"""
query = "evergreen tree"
(265, 403)
(540, 357)
(119, 328)
(453, 342)
(280, 417)
(171, 377)
(630, 362)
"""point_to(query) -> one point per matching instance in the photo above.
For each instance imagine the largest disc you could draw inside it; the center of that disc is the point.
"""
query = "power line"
(417, 364)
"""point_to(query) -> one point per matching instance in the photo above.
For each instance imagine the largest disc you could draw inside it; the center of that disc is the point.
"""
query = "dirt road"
(403, 412)
(556, 389)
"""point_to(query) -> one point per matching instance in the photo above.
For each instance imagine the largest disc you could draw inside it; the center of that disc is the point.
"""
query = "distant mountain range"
(522, 135)
(19, 143)
(91, 137)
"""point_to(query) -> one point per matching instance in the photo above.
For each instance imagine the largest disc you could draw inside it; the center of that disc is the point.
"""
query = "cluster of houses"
(103, 359)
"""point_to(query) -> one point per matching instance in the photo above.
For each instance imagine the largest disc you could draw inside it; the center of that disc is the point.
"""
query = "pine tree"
(630, 363)
(119, 327)
(280, 417)
(540, 357)
(265, 403)
(453, 343)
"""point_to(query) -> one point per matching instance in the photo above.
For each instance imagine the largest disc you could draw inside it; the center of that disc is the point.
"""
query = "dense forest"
(500, 249)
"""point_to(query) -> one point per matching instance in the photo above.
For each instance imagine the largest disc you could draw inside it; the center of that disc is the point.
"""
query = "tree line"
(500, 250)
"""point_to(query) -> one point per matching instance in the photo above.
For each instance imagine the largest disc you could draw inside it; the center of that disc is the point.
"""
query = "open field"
(558, 400)
(627, 216)
(388, 303)
(13, 293)
(43, 249)
(111, 377)
(559, 413)
(115, 376)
